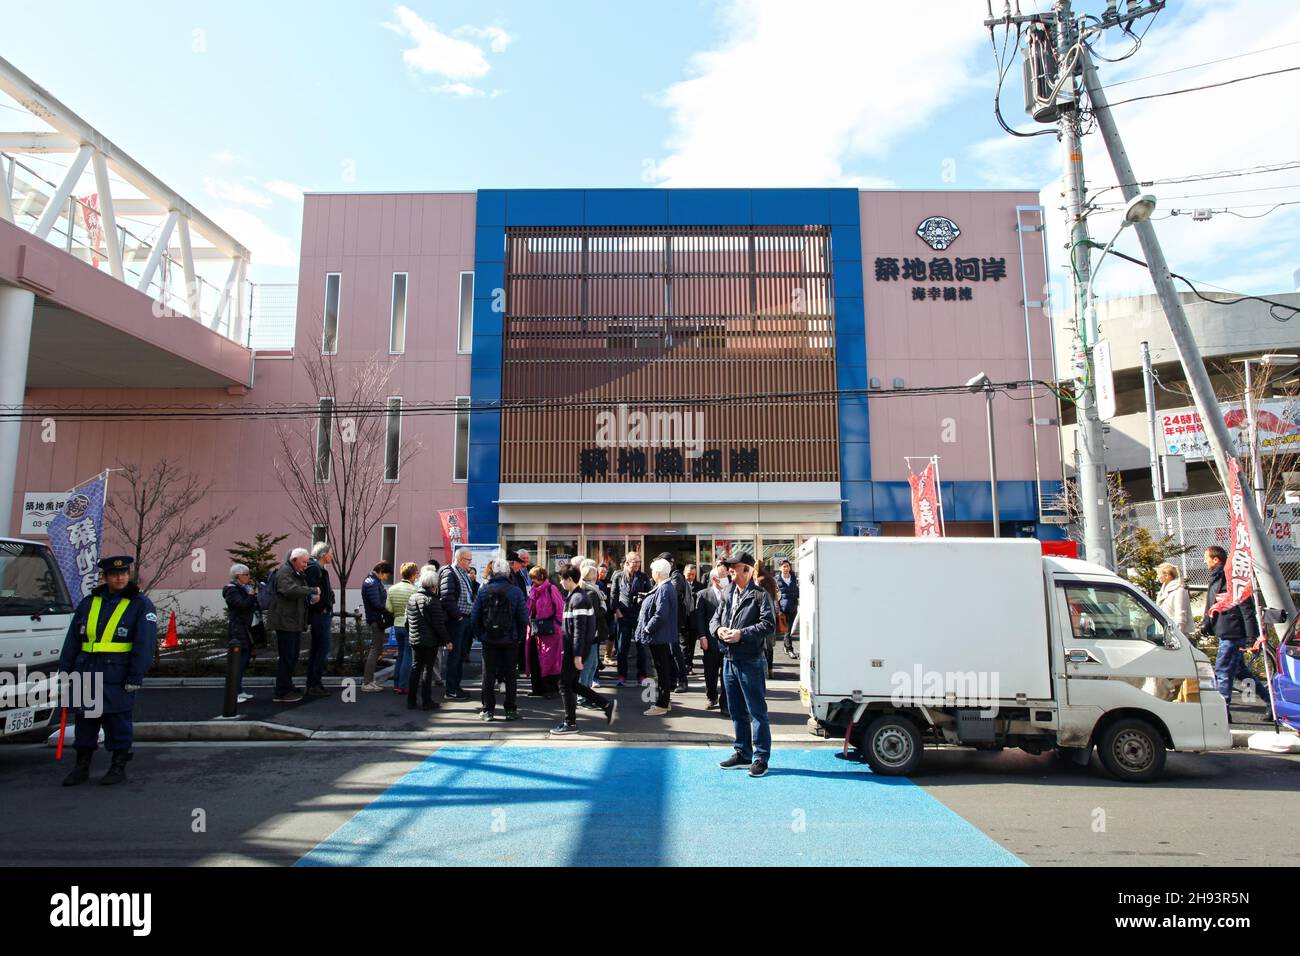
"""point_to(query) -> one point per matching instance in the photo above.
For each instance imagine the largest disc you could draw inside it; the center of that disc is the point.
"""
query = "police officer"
(112, 637)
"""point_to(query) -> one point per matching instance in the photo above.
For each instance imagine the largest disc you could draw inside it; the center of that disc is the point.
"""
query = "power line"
(1222, 192)
(1272, 303)
(1207, 86)
(1194, 66)
(1279, 167)
(199, 411)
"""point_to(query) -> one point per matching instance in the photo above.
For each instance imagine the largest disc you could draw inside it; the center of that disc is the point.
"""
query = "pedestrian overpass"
(108, 277)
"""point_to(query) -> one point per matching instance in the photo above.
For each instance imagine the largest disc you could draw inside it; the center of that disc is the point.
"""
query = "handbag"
(782, 626)
(545, 626)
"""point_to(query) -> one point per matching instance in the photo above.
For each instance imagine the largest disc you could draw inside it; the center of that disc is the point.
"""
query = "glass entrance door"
(682, 548)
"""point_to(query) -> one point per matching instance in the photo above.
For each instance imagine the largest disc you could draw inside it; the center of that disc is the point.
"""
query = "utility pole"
(1157, 486)
(1090, 466)
(1094, 493)
(1272, 584)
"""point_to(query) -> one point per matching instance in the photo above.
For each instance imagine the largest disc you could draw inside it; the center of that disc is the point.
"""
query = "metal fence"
(272, 315)
(1198, 521)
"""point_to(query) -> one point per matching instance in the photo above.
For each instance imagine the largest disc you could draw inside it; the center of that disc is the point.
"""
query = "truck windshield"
(30, 583)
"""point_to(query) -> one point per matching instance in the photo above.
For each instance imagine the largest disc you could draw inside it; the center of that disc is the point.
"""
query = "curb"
(1241, 738)
(224, 731)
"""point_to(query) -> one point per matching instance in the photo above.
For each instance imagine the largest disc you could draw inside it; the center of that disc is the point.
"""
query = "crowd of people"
(560, 630)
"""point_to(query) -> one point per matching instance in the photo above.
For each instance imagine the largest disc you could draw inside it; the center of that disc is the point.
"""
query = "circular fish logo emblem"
(938, 232)
(77, 506)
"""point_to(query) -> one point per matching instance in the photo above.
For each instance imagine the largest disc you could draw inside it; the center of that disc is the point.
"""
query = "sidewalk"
(172, 709)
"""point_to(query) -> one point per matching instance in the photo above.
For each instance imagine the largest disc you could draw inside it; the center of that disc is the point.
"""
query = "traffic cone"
(171, 633)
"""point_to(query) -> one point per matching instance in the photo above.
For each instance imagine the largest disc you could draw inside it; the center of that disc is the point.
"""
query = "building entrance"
(681, 547)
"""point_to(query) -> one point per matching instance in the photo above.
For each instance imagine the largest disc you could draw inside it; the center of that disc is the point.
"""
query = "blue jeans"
(461, 639)
(1230, 666)
(745, 684)
(626, 628)
(402, 666)
(319, 654)
(591, 666)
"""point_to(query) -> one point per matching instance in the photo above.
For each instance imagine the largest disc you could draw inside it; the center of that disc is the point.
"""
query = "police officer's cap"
(117, 564)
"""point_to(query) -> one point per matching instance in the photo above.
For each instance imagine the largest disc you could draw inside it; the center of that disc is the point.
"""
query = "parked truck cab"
(988, 644)
(35, 612)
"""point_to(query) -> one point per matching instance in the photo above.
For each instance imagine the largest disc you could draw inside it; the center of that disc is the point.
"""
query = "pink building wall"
(940, 343)
(366, 238)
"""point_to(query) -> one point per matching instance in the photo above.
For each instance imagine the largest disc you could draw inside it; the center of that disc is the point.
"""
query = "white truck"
(35, 611)
(988, 643)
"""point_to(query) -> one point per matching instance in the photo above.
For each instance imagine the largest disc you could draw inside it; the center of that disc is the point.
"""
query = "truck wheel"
(1132, 750)
(892, 745)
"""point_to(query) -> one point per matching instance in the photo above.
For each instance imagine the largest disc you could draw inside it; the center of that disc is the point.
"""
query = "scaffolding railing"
(1197, 521)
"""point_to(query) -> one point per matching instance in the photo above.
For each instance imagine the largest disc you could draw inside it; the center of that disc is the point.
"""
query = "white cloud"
(286, 190)
(458, 89)
(448, 55)
(238, 193)
(795, 92)
(226, 157)
(267, 246)
(497, 38)
(1233, 127)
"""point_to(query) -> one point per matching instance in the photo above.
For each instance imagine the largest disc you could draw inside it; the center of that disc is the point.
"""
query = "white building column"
(16, 308)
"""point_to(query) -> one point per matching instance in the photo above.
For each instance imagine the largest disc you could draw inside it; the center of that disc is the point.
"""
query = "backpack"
(266, 592)
(498, 618)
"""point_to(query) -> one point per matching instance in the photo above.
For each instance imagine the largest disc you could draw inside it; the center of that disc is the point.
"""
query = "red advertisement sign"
(453, 530)
(1240, 570)
(925, 502)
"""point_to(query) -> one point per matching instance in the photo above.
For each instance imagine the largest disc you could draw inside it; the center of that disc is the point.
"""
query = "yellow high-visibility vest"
(105, 644)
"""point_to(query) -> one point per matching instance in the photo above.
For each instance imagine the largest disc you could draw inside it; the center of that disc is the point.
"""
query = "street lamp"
(1272, 360)
(982, 383)
(1139, 209)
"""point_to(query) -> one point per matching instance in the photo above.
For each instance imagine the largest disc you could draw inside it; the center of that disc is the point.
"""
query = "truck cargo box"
(915, 614)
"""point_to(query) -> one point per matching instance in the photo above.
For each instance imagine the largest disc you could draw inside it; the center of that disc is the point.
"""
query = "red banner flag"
(1240, 570)
(453, 530)
(925, 502)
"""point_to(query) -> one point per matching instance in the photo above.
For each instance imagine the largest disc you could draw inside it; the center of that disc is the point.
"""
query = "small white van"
(35, 612)
(987, 643)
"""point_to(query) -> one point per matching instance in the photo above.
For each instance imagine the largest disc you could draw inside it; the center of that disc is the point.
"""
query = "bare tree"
(154, 519)
(1230, 389)
(332, 467)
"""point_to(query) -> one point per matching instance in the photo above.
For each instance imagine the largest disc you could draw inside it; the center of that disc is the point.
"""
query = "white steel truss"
(72, 134)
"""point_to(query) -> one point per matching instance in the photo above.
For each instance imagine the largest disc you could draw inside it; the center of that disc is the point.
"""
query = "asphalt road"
(574, 802)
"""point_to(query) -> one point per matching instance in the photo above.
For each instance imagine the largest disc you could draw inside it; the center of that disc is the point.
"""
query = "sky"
(240, 106)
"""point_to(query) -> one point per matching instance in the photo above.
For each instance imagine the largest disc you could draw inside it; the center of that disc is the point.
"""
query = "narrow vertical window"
(462, 439)
(324, 426)
(397, 327)
(393, 440)
(388, 544)
(318, 534)
(465, 331)
(329, 343)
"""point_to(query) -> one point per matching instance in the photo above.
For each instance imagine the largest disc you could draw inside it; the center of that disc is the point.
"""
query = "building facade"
(604, 370)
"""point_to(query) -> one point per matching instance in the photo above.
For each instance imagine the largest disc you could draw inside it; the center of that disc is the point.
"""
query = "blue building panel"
(487, 320)
(850, 377)
(846, 208)
(790, 207)
(485, 386)
(846, 244)
(857, 502)
(484, 427)
(708, 207)
(487, 353)
(545, 207)
(488, 278)
(489, 245)
(627, 207)
(853, 428)
(848, 278)
(849, 317)
(490, 207)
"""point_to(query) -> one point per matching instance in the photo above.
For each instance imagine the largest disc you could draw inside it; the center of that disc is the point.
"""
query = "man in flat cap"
(741, 625)
(110, 645)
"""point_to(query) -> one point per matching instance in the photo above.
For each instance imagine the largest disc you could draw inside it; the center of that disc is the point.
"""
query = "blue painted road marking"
(651, 806)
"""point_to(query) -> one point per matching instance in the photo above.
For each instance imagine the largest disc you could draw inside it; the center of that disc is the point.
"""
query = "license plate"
(16, 721)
